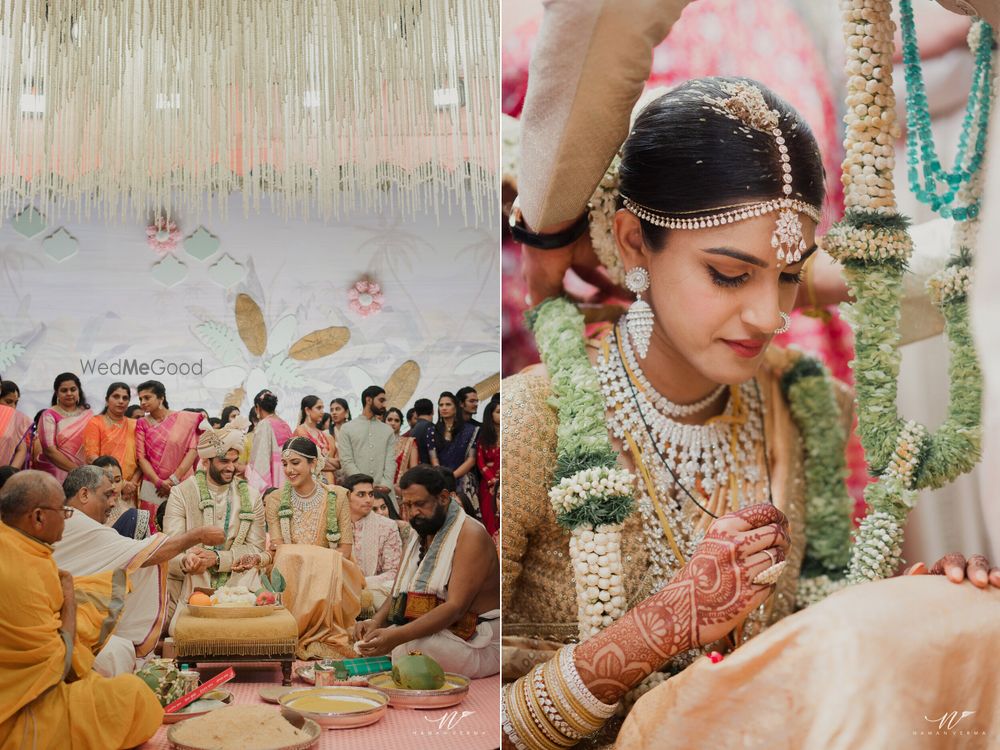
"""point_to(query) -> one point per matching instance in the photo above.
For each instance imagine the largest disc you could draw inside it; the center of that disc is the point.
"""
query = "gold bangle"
(508, 712)
(569, 708)
(552, 735)
(594, 706)
(530, 731)
(521, 723)
(546, 701)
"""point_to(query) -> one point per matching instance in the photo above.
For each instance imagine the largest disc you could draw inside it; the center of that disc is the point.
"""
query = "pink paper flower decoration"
(366, 298)
(162, 236)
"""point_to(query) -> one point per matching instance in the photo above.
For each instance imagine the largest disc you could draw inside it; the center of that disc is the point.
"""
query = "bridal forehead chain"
(745, 103)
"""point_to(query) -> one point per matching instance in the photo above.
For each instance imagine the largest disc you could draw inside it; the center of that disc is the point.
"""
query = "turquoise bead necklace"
(921, 155)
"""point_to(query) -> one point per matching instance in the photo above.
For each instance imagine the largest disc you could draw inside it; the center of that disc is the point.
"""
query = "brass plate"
(455, 688)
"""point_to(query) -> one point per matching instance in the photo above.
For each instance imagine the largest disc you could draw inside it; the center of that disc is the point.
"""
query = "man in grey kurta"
(367, 446)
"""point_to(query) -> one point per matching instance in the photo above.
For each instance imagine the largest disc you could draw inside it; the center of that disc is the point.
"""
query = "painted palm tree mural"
(255, 355)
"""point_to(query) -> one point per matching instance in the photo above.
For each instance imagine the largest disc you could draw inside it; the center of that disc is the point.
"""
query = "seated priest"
(211, 497)
(377, 543)
(49, 694)
(445, 601)
(88, 546)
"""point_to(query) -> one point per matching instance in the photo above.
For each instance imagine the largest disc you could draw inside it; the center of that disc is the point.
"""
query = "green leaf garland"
(808, 388)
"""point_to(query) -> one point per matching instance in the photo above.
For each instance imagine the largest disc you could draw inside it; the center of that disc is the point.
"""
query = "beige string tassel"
(119, 108)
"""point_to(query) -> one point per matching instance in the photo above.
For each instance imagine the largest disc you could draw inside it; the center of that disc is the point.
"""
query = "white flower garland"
(948, 284)
(879, 549)
(904, 461)
(873, 244)
(603, 205)
(870, 116)
(577, 490)
(814, 590)
(595, 551)
(867, 246)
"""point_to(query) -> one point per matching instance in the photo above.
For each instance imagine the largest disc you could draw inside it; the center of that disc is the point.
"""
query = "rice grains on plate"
(239, 728)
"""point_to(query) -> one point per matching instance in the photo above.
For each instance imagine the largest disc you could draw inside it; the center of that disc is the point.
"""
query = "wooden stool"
(240, 639)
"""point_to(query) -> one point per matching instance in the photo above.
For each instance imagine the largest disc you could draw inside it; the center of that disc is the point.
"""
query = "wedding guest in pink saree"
(15, 427)
(263, 468)
(61, 428)
(165, 444)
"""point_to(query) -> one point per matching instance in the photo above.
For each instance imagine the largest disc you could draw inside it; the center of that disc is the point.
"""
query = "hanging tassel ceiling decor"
(119, 107)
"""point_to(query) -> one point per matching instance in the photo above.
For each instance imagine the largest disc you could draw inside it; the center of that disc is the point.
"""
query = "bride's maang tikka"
(745, 103)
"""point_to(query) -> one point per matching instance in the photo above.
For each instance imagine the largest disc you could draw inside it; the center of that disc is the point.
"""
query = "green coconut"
(162, 677)
(417, 672)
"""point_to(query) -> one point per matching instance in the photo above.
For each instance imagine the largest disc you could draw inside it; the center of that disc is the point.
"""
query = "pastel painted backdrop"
(256, 302)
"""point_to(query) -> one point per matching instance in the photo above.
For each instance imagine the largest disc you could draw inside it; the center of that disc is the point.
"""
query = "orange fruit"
(200, 600)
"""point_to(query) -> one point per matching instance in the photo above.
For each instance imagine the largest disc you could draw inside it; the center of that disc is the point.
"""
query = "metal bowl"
(455, 688)
(310, 727)
(306, 674)
(271, 693)
(359, 706)
(220, 695)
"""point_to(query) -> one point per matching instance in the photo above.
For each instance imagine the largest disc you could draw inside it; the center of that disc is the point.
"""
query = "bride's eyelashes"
(732, 282)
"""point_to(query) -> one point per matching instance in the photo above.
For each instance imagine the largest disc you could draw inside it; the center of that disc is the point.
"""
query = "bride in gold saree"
(674, 485)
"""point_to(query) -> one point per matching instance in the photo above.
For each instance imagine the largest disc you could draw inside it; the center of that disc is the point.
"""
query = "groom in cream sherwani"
(213, 496)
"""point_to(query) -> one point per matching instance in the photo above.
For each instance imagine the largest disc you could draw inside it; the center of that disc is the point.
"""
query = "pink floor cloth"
(474, 723)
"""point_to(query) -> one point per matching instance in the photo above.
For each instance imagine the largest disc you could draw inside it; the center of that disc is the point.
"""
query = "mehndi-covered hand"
(737, 548)
(710, 596)
(246, 563)
(956, 568)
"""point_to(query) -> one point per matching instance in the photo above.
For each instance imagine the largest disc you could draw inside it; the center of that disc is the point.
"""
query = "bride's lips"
(747, 348)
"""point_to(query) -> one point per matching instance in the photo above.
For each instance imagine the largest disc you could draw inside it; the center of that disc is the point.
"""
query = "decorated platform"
(472, 725)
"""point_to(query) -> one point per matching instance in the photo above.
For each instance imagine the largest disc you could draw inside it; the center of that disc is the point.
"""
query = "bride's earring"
(786, 323)
(639, 319)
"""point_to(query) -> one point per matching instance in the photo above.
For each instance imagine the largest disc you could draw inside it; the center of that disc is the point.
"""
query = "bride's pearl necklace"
(658, 400)
(704, 457)
(695, 452)
(307, 502)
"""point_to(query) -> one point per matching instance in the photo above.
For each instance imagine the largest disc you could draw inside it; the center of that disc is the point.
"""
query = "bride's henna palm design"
(706, 600)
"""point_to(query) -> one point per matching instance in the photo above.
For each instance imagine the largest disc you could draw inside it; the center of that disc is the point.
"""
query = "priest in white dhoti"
(88, 547)
(211, 497)
(445, 601)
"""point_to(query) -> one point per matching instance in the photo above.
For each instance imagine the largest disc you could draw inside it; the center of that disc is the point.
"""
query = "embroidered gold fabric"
(539, 596)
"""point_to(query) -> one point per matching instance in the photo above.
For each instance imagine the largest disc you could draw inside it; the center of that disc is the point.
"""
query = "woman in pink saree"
(263, 468)
(165, 445)
(61, 428)
(15, 428)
